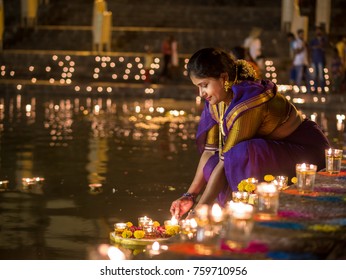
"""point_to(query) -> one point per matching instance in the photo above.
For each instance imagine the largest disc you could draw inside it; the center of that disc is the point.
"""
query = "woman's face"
(211, 89)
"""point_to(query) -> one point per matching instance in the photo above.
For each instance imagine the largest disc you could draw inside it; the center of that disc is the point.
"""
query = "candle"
(143, 221)
(216, 213)
(95, 187)
(268, 200)
(119, 227)
(3, 184)
(237, 230)
(149, 228)
(240, 197)
(280, 182)
(306, 174)
(38, 179)
(333, 160)
(172, 222)
(189, 227)
(27, 183)
(240, 210)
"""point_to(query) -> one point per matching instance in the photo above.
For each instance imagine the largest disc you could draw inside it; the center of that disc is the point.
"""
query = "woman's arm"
(180, 206)
(215, 184)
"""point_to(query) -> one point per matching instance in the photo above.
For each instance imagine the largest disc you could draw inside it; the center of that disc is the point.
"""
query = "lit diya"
(3, 185)
(95, 188)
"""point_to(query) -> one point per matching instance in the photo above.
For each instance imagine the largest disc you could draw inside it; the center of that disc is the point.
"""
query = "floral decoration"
(139, 234)
(247, 185)
(268, 178)
(126, 233)
(158, 231)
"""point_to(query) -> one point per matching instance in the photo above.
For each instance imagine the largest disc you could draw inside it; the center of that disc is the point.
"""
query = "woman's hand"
(180, 206)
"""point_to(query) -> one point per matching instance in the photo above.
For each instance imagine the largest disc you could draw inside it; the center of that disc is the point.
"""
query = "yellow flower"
(247, 185)
(139, 234)
(268, 178)
(294, 180)
(242, 185)
(156, 224)
(129, 224)
(126, 233)
(172, 230)
(250, 187)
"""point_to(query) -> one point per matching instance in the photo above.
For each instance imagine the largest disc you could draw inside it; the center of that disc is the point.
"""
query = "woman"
(247, 129)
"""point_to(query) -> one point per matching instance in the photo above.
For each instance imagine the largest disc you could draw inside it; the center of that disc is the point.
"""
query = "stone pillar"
(323, 12)
(29, 12)
(106, 36)
(299, 22)
(287, 11)
(100, 7)
(2, 24)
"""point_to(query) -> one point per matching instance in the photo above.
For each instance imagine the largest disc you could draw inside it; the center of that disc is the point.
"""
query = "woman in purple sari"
(247, 129)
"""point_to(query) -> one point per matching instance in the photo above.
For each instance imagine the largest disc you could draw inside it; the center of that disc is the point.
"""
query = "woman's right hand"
(180, 206)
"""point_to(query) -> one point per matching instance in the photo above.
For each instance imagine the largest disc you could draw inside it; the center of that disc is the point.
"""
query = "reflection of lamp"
(340, 122)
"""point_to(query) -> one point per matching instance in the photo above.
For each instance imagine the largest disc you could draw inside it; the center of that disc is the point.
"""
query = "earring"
(227, 85)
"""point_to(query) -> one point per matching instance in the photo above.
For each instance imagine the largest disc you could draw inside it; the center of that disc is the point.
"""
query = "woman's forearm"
(198, 183)
(215, 184)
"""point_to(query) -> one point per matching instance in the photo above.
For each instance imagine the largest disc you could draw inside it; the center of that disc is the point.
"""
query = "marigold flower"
(129, 224)
(294, 180)
(268, 178)
(172, 230)
(242, 185)
(139, 234)
(126, 233)
(246, 185)
(156, 224)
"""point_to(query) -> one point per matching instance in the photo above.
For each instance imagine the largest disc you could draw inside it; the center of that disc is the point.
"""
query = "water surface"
(142, 152)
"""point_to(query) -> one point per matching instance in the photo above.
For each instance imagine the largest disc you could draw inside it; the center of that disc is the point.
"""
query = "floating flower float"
(146, 232)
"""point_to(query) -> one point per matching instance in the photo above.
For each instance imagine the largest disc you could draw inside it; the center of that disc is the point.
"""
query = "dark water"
(142, 152)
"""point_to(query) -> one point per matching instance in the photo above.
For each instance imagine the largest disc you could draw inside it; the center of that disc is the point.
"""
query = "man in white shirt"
(300, 60)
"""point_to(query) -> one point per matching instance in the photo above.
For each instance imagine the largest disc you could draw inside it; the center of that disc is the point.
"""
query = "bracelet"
(191, 196)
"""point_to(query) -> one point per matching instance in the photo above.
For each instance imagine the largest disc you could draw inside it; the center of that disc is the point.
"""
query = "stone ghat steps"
(134, 40)
(161, 14)
(66, 25)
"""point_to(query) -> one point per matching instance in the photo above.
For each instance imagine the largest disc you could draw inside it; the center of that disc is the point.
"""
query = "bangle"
(190, 196)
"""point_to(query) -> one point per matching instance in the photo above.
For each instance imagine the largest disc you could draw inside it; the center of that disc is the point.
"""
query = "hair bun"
(245, 70)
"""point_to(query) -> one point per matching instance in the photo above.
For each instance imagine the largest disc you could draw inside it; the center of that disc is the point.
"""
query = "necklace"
(221, 108)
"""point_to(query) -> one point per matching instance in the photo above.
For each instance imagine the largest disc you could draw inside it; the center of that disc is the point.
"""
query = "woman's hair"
(212, 62)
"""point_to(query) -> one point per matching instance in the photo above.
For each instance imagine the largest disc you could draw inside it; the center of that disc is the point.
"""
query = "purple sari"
(257, 157)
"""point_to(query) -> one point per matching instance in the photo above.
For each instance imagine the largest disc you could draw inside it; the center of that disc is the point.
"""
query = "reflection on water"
(103, 160)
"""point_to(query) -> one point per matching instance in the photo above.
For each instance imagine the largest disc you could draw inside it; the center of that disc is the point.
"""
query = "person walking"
(300, 61)
(175, 59)
(166, 49)
(318, 46)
